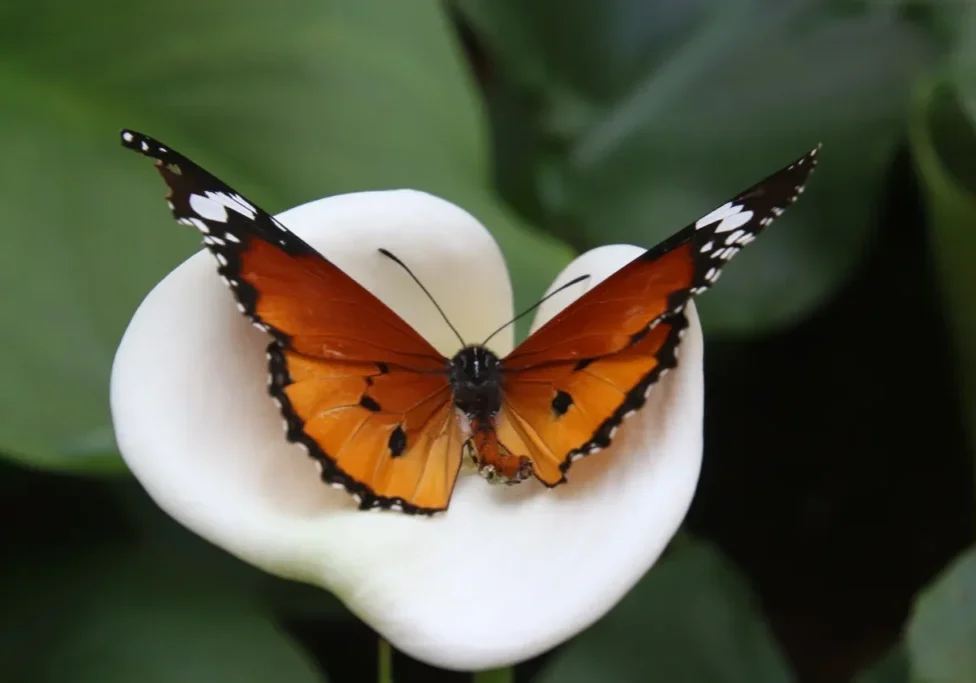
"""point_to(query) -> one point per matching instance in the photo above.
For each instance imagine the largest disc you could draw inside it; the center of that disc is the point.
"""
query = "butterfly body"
(386, 416)
(476, 385)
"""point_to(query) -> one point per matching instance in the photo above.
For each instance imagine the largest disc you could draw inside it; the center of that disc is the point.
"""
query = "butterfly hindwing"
(332, 339)
(558, 412)
(568, 386)
(391, 434)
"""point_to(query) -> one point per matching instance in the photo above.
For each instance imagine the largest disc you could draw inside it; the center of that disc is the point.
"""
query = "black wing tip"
(143, 144)
(809, 159)
(806, 165)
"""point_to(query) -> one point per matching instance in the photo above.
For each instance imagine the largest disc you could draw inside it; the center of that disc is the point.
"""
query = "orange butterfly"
(386, 416)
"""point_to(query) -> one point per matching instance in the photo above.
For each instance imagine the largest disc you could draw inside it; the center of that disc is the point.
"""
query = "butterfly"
(390, 419)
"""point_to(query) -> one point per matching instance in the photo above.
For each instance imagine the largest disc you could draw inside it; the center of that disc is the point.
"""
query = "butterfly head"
(475, 377)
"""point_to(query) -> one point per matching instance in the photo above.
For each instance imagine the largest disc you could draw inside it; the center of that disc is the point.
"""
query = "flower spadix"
(506, 572)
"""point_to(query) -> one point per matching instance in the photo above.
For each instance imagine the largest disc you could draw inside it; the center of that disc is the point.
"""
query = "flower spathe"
(507, 572)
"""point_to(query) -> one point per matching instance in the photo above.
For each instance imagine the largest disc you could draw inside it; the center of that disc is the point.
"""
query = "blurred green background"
(831, 535)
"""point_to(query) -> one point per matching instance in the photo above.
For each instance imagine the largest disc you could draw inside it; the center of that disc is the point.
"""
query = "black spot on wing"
(369, 404)
(581, 365)
(398, 441)
(561, 402)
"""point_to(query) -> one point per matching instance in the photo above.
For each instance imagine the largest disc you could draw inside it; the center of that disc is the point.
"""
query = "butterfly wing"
(364, 392)
(568, 386)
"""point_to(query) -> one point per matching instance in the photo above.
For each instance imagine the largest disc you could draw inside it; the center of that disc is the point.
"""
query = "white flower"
(507, 572)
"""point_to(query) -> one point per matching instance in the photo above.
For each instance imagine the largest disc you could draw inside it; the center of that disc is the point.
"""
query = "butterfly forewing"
(569, 385)
(390, 433)
(364, 392)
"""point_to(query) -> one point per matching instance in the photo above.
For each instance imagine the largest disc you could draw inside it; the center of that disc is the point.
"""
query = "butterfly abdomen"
(496, 463)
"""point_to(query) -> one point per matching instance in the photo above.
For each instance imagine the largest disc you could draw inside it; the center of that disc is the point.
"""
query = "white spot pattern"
(743, 218)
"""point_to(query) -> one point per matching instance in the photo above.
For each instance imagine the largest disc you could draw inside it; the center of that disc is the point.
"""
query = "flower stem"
(506, 675)
(384, 672)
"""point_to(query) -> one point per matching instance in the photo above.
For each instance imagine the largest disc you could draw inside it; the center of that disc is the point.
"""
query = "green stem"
(506, 675)
(384, 672)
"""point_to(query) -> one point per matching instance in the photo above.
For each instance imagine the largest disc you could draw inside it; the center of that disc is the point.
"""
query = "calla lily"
(507, 572)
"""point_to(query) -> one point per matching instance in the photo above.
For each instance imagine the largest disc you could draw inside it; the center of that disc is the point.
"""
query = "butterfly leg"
(468, 449)
(496, 463)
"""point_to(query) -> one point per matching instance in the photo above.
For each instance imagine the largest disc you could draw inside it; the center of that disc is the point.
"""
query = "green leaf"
(119, 616)
(892, 668)
(505, 675)
(692, 619)
(594, 49)
(944, 148)
(942, 630)
(715, 96)
(288, 102)
(962, 64)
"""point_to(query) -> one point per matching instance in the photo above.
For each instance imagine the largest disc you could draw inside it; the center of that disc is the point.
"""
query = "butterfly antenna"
(429, 295)
(536, 305)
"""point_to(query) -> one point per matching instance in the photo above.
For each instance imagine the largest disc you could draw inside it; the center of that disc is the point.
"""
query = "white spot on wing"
(127, 136)
(718, 214)
(233, 202)
(200, 225)
(205, 207)
(734, 221)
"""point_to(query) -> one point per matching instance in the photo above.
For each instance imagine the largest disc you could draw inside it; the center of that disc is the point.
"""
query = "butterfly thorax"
(476, 382)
